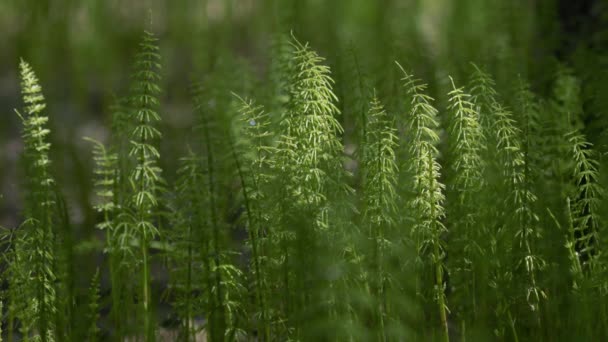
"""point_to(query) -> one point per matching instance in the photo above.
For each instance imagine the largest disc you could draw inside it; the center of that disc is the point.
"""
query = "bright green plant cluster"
(475, 218)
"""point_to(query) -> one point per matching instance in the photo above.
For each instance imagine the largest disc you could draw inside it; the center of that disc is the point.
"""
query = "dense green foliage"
(435, 189)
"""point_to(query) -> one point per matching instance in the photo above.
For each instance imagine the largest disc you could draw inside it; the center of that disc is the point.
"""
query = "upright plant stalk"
(189, 231)
(427, 204)
(582, 237)
(145, 177)
(220, 312)
(435, 213)
(38, 235)
(107, 174)
(518, 224)
(483, 92)
(585, 237)
(93, 314)
(254, 177)
(485, 100)
(466, 146)
(198, 242)
(585, 205)
(211, 248)
(215, 110)
(308, 157)
(379, 176)
(120, 233)
(573, 256)
(66, 323)
(520, 206)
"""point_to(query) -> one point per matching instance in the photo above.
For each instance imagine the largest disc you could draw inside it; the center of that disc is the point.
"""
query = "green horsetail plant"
(253, 164)
(106, 174)
(583, 238)
(576, 281)
(66, 319)
(309, 159)
(573, 256)
(187, 238)
(93, 332)
(484, 95)
(227, 305)
(539, 180)
(529, 111)
(583, 292)
(224, 280)
(518, 236)
(466, 146)
(145, 177)
(118, 250)
(33, 292)
(12, 275)
(210, 248)
(485, 99)
(585, 203)
(514, 150)
(427, 203)
(379, 177)
(118, 164)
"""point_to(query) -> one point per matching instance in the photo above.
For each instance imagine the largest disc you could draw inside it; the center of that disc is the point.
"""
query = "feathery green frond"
(311, 173)
(253, 157)
(145, 178)
(585, 204)
(379, 198)
(467, 148)
(519, 240)
(35, 246)
(93, 314)
(427, 203)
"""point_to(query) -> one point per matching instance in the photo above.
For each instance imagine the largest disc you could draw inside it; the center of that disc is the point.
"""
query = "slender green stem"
(149, 332)
(253, 231)
(219, 313)
(189, 315)
(437, 254)
(512, 325)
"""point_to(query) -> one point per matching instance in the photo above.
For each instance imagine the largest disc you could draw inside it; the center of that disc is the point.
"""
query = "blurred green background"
(82, 51)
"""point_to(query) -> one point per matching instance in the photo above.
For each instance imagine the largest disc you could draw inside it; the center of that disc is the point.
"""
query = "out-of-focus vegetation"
(263, 169)
(82, 51)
